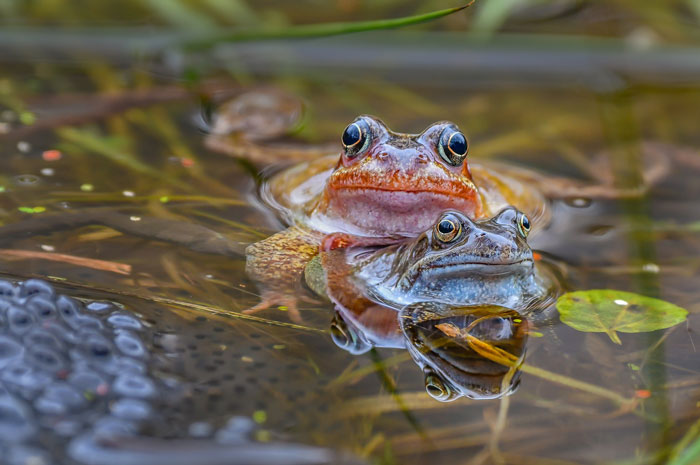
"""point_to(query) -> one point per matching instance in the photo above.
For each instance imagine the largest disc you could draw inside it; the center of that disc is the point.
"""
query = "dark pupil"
(351, 135)
(458, 144)
(445, 227)
(526, 222)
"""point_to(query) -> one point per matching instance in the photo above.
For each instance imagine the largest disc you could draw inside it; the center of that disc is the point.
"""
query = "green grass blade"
(691, 456)
(317, 30)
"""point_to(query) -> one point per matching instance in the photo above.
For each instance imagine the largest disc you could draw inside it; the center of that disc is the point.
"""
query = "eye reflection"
(347, 338)
(437, 389)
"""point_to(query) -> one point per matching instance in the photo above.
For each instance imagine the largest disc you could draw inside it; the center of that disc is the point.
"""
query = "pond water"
(87, 127)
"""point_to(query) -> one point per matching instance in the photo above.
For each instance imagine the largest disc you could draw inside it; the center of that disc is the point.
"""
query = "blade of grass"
(681, 453)
(94, 143)
(690, 457)
(390, 385)
(502, 357)
(316, 30)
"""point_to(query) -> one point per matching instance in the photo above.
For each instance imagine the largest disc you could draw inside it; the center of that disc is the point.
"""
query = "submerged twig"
(103, 265)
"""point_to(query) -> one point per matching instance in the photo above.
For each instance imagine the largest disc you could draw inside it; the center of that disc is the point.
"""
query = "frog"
(457, 261)
(384, 187)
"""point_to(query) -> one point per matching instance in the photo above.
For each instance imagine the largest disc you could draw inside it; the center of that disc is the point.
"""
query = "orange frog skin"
(384, 187)
(387, 184)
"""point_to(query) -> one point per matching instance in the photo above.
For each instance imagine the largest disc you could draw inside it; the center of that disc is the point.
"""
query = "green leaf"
(609, 311)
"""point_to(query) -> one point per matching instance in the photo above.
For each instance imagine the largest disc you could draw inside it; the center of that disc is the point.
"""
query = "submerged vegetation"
(104, 108)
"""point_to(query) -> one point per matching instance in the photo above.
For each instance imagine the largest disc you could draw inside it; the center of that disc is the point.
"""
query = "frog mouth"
(466, 269)
(473, 377)
(396, 212)
(396, 185)
(407, 202)
(446, 190)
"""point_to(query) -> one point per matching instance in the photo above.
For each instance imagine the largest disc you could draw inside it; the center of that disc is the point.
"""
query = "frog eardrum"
(356, 137)
(453, 146)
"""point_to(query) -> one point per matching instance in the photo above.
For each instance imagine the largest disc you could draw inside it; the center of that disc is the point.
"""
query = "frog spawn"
(66, 368)
(80, 383)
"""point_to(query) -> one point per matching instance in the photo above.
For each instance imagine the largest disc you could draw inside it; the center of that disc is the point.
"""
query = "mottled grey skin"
(488, 263)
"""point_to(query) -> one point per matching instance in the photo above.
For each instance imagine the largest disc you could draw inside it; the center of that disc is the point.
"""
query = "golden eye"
(453, 146)
(448, 228)
(352, 135)
(523, 225)
(355, 138)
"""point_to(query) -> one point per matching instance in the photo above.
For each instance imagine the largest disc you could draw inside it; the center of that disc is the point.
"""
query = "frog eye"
(437, 389)
(356, 137)
(344, 337)
(339, 334)
(523, 225)
(453, 146)
(448, 228)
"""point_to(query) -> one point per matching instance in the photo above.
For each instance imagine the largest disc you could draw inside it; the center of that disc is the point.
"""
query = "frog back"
(501, 185)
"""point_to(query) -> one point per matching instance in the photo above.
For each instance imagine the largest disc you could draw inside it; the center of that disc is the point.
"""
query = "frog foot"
(283, 301)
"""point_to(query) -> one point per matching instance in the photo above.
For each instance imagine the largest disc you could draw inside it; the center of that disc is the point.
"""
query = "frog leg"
(247, 125)
(276, 264)
(344, 240)
(656, 159)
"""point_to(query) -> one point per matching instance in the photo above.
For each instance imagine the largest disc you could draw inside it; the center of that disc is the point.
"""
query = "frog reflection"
(438, 338)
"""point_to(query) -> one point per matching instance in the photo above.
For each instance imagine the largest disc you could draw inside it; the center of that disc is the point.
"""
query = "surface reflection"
(461, 350)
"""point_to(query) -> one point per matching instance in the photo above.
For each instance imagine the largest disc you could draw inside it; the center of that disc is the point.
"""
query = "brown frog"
(384, 186)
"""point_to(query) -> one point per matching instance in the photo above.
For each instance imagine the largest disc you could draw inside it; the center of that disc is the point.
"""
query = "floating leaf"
(609, 311)
(32, 209)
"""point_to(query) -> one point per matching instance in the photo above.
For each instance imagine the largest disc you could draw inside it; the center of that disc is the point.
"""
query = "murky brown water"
(150, 161)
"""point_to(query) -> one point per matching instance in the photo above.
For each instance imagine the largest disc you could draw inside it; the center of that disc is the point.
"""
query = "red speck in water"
(102, 389)
(51, 155)
(187, 162)
(643, 393)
